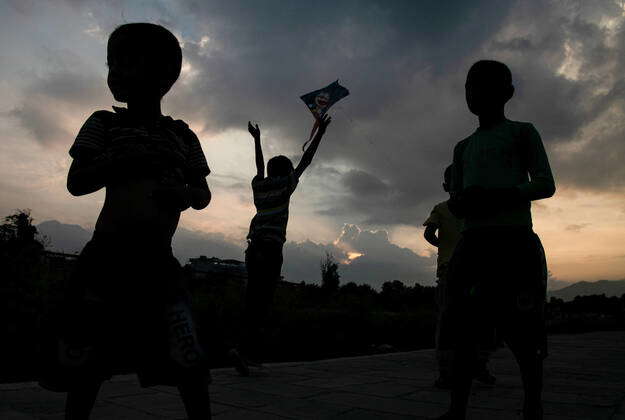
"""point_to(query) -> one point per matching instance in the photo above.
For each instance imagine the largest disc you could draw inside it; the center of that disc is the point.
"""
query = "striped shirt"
(271, 198)
(115, 135)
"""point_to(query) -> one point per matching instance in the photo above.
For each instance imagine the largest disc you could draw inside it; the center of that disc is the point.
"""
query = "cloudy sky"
(378, 172)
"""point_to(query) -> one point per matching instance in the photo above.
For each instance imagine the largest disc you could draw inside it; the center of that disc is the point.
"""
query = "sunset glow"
(378, 172)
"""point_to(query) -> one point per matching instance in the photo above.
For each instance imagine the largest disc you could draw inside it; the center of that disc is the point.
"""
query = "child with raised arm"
(127, 303)
(497, 274)
(442, 230)
(267, 234)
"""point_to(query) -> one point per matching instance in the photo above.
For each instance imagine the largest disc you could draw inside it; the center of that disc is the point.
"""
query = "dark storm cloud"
(396, 58)
(67, 88)
(44, 127)
(405, 65)
(585, 108)
(364, 184)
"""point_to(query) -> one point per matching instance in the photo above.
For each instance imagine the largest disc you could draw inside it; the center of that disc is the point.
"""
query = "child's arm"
(456, 203)
(194, 191)
(200, 193)
(431, 225)
(86, 176)
(258, 150)
(90, 168)
(430, 235)
(310, 152)
(195, 194)
(541, 184)
(89, 173)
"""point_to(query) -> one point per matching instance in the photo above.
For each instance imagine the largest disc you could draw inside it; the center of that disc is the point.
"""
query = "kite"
(319, 101)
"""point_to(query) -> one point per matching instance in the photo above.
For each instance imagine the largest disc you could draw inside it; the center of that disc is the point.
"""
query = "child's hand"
(176, 198)
(324, 122)
(254, 130)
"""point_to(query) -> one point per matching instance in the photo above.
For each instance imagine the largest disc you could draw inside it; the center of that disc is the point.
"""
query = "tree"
(330, 277)
(18, 235)
(393, 294)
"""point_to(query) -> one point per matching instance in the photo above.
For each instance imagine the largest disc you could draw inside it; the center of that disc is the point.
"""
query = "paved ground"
(585, 379)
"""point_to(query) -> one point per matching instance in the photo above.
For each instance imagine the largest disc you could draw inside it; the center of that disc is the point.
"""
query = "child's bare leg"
(531, 366)
(196, 399)
(462, 376)
(80, 402)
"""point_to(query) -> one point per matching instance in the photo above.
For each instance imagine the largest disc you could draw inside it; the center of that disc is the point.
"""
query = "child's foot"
(239, 362)
(486, 378)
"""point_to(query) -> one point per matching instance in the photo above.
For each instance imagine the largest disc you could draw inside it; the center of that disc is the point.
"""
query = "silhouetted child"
(127, 303)
(497, 275)
(267, 234)
(448, 226)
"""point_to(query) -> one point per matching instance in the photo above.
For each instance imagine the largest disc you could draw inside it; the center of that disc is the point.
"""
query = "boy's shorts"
(126, 309)
(497, 288)
(263, 259)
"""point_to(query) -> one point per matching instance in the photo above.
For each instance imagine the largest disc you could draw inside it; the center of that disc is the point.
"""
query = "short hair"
(492, 70)
(279, 166)
(157, 44)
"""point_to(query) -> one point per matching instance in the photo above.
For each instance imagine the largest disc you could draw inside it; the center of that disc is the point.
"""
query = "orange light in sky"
(351, 256)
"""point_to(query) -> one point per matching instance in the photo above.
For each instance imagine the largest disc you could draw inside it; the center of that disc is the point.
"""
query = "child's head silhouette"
(279, 166)
(144, 61)
(488, 87)
(447, 178)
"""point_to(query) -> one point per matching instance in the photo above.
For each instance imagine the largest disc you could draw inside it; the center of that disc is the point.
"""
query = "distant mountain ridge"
(186, 243)
(584, 288)
(64, 237)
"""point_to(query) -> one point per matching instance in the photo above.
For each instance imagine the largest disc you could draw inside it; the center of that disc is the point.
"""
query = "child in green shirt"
(497, 274)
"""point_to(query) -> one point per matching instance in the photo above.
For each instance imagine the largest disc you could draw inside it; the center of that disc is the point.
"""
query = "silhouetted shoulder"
(183, 130)
(462, 142)
(93, 135)
(525, 134)
(257, 179)
(102, 115)
(522, 127)
(196, 161)
(460, 146)
(281, 184)
(435, 216)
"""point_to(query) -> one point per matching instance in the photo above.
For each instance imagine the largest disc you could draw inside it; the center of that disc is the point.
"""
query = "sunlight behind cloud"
(379, 166)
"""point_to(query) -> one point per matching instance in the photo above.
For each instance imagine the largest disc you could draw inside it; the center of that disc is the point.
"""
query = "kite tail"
(312, 133)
